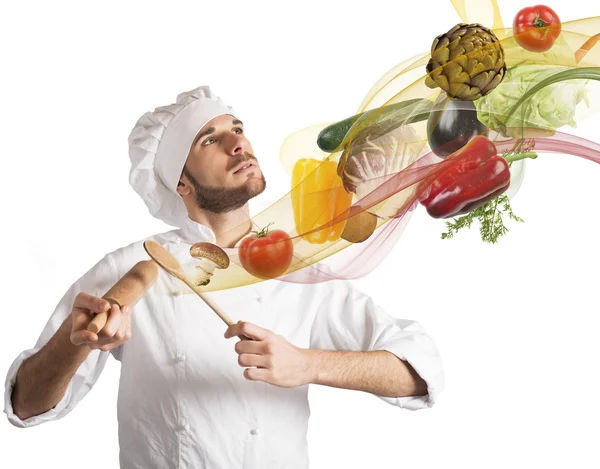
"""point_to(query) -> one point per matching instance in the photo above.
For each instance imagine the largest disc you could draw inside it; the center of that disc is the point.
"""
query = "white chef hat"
(159, 145)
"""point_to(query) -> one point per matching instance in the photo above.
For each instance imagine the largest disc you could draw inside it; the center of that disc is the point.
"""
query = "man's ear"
(184, 186)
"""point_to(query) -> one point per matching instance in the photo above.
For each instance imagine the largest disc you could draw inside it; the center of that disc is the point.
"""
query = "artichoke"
(467, 62)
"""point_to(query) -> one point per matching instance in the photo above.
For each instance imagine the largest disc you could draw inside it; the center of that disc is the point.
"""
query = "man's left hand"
(269, 357)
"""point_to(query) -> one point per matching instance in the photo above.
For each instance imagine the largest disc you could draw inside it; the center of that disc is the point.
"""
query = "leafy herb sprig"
(490, 215)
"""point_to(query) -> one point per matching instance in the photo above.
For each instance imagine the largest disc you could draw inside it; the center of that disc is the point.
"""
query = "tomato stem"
(264, 232)
(539, 22)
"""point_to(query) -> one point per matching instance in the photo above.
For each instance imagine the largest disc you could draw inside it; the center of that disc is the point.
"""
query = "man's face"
(215, 169)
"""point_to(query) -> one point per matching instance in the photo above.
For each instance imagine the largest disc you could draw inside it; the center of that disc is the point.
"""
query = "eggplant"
(451, 124)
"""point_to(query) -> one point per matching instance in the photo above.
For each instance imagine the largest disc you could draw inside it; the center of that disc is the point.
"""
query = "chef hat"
(159, 145)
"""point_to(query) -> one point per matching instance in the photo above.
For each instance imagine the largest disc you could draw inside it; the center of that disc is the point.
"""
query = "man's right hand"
(116, 331)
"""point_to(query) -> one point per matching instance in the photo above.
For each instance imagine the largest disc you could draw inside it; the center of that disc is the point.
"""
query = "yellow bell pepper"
(318, 196)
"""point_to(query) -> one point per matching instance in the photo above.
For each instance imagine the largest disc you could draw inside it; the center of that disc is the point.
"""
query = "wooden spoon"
(169, 263)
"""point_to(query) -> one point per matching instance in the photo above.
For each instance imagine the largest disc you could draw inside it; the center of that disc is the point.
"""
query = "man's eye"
(208, 141)
(241, 131)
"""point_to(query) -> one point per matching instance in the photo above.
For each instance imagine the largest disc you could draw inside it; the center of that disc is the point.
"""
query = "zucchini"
(375, 122)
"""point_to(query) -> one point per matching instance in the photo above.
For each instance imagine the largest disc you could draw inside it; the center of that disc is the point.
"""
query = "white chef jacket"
(183, 401)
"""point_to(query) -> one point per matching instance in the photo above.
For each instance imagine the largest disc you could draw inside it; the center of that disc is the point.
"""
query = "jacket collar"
(193, 232)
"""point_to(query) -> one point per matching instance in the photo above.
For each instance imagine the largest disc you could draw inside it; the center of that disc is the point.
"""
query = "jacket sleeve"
(348, 319)
(96, 281)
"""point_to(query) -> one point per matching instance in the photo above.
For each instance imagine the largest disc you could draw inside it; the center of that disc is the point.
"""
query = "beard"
(223, 199)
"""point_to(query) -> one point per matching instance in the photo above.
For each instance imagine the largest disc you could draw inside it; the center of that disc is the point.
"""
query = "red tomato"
(536, 28)
(266, 254)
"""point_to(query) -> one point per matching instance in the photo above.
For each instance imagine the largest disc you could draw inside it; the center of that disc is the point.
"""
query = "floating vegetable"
(365, 167)
(372, 123)
(266, 254)
(477, 176)
(586, 47)
(584, 73)
(552, 104)
(467, 62)
(452, 124)
(490, 215)
(318, 196)
(209, 257)
(359, 226)
(536, 28)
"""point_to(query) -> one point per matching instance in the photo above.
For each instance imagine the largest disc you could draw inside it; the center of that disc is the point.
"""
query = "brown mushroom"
(210, 257)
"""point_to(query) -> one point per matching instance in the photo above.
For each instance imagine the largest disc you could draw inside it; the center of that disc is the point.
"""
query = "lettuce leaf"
(548, 109)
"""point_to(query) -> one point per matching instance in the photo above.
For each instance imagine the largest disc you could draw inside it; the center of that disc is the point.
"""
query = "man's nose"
(236, 144)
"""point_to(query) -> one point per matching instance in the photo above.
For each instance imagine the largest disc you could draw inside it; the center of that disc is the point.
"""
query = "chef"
(191, 393)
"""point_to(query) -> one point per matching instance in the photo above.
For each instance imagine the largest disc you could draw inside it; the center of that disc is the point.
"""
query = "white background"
(516, 323)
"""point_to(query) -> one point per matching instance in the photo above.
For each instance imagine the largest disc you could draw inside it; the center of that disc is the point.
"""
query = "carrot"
(585, 48)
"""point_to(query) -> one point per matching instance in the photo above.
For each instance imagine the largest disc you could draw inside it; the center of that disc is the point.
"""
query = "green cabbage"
(550, 108)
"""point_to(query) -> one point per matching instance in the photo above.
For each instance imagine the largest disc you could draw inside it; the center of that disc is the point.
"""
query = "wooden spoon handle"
(220, 313)
(215, 308)
(226, 319)
(127, 291)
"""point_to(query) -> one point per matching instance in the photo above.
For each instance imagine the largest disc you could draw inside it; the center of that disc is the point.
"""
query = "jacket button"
(183, 424)
(254, 431)
(180, 357)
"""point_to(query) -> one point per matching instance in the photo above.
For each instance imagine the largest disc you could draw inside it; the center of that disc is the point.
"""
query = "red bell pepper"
(475, 175)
